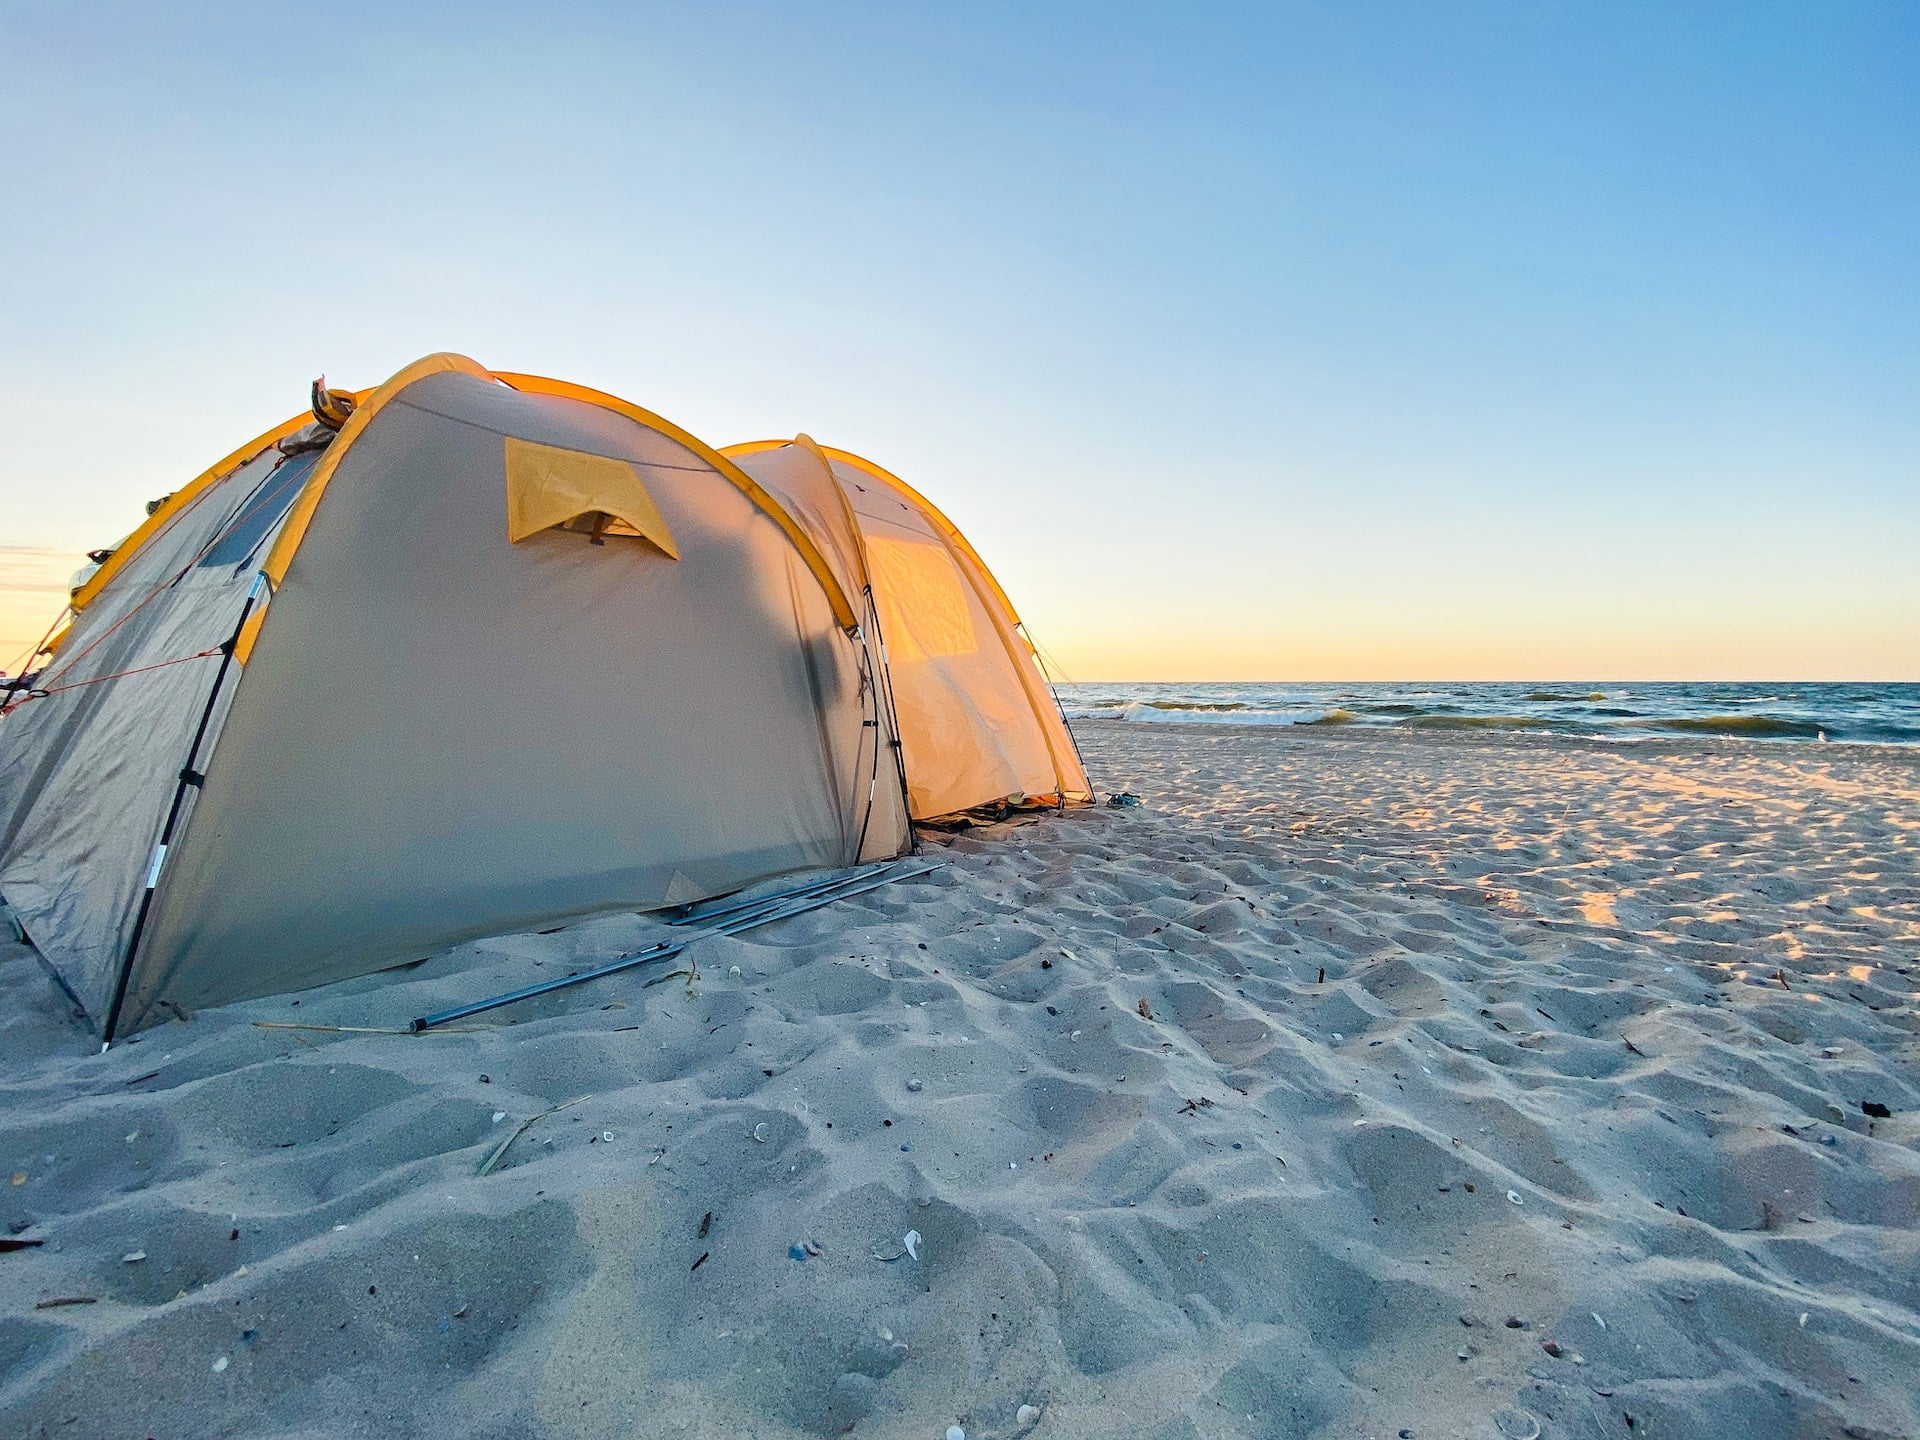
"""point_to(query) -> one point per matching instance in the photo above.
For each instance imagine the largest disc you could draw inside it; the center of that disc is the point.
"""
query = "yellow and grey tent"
(473, 651)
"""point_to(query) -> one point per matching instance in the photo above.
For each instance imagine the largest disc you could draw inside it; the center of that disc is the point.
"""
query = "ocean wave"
(1757, 727)
(1878, 735)
(1474, 722)
(1775, 713)
(1141, 712)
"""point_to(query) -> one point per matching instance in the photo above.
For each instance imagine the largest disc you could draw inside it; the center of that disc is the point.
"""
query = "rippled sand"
(1354, 1083)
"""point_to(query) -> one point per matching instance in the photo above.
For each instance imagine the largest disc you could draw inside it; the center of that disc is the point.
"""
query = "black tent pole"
(893, 721)
(188, 776)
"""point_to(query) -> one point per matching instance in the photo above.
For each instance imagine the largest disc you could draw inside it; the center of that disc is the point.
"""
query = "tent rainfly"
(473, 651)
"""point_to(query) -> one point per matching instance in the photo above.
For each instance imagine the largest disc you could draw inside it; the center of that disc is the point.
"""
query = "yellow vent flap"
(549, 486)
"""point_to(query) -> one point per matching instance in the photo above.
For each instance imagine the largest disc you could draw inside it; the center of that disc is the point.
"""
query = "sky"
(1246, 341)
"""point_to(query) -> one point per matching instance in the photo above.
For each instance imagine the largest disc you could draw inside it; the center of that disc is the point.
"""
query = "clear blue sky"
(1246, 341)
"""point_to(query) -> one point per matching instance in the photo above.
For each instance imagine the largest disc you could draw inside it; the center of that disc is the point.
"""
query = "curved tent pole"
(946, 527)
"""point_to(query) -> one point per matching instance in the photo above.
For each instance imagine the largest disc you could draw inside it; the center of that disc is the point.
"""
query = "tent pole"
(779, 897)
(870, 686)
(808, 898)
(188, 776)
(893, 721)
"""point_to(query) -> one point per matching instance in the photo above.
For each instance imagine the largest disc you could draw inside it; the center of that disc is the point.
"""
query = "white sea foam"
(1142, 712)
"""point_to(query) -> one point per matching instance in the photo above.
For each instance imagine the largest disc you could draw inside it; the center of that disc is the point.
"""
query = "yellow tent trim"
(843, 611)
(812, 447)
(179, 501)
(301, 515)
(249, 632)
(549, 486)
(367, 405)
(946, 527)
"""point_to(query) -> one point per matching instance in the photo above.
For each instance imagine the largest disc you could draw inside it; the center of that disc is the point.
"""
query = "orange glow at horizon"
(1430, 649)
(33, 590)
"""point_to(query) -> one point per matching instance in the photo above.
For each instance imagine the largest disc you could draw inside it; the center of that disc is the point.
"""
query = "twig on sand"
(692, 972)
(520, 1129)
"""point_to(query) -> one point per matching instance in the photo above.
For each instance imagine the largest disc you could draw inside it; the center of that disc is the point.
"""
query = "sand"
(1570, 1131)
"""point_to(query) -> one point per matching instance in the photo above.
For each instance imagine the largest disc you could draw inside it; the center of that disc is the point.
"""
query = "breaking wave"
(1474, 722)
(1764, 727)
(1215, 715)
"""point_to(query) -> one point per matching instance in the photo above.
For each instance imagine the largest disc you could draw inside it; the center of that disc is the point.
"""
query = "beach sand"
(1354, 1084)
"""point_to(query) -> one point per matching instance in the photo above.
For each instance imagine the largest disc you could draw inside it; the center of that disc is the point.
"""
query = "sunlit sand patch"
(1795, 950)
(1596, 908)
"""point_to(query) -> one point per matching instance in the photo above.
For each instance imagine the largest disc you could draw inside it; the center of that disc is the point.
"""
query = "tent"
(473, 651)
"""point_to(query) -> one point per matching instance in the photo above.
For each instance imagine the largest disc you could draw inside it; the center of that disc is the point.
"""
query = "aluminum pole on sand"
(744, 916)
(694, 915)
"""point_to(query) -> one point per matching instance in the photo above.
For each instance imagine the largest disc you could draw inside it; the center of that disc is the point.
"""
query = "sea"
(1604, 711)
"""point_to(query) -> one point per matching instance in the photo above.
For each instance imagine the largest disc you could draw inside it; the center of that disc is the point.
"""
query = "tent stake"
(810, 898)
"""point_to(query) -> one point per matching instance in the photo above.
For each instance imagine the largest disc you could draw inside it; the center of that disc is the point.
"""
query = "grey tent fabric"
(87, 773)
(442, 734)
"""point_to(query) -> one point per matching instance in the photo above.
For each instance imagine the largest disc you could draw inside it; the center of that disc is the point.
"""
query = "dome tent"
(459, 655)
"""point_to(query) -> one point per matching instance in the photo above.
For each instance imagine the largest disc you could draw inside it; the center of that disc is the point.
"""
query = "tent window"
(550, 488)
(924, 598)
(261, 514)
